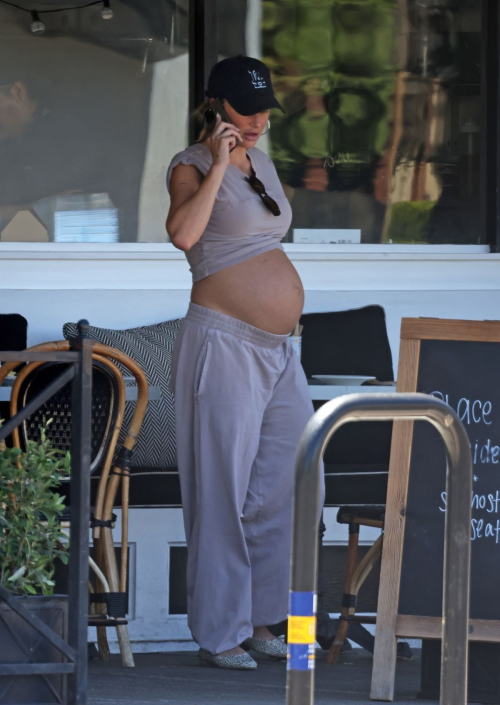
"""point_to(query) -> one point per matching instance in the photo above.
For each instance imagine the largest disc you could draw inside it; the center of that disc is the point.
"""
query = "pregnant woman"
(241, 395)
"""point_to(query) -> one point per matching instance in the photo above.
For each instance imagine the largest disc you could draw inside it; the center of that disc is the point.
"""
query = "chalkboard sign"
(458, 362)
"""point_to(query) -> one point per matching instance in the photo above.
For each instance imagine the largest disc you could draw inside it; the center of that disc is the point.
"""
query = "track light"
(106, 12)
(37, 26)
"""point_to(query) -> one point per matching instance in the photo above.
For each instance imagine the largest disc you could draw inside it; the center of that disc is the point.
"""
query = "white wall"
(169, 88)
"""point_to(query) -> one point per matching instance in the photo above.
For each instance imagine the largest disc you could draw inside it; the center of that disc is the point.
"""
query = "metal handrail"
(304, 561)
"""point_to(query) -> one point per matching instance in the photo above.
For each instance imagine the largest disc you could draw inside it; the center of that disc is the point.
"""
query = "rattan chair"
(356, 573)
(108, 599)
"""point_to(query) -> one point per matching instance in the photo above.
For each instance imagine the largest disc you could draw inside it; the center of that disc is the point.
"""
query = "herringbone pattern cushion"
(151, 347)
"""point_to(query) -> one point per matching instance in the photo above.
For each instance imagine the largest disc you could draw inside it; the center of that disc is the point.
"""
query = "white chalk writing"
(477, 413)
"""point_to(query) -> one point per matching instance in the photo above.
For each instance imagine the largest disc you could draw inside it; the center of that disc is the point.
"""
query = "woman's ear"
(18, 92)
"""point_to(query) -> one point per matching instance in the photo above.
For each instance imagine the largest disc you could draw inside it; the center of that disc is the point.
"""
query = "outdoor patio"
(178, 678)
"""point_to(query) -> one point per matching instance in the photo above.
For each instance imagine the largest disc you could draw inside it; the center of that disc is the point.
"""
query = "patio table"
(324, 392)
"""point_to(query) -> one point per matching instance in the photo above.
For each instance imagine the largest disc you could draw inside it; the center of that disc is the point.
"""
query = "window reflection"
(380, 142)
(91, 113)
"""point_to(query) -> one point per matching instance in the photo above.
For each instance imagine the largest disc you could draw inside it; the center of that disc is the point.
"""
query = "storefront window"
(91, 112)
(380, 141)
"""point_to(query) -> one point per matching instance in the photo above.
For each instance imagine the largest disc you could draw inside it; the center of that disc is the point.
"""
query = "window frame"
(490, 128)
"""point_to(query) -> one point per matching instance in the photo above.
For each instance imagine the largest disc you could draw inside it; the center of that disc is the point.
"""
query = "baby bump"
(264, 291)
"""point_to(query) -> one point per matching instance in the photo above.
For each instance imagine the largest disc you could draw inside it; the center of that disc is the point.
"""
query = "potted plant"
(31, 539)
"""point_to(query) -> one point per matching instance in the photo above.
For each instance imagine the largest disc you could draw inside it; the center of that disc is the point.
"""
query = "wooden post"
(384, 656)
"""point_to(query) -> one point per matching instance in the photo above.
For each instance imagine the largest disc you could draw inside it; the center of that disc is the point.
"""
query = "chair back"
(13, 331)
(58, 408)
(352, 342)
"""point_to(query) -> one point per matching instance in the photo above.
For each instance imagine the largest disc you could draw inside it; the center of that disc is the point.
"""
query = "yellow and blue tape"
(301, 631)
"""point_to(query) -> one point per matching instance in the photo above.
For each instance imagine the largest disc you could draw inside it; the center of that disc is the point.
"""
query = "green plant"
(31, 537)
(409, 222)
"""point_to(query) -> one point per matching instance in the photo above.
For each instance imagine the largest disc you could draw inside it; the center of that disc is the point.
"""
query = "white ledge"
(297, 252)
(160, 266)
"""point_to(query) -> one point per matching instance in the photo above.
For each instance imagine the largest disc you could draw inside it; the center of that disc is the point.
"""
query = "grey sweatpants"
(241, 405)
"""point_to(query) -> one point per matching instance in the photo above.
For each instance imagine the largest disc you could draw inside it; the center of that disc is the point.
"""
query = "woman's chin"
(249, 142)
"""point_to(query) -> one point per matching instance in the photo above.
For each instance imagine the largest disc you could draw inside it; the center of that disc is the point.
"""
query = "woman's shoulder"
(264, 164)
(262, 159)
(196, 155)
(260, 155)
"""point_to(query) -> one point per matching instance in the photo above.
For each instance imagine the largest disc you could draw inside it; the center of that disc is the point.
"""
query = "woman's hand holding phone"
(223, 139)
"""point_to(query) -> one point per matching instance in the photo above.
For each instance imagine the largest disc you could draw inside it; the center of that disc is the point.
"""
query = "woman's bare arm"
(192, 196)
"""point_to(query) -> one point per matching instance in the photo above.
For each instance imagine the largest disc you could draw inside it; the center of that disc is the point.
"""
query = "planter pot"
(20, 643)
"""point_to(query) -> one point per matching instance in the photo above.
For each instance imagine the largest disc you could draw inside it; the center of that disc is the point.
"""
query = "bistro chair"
(13, 336)
(109, 463)
(353, 342)
(13, 331)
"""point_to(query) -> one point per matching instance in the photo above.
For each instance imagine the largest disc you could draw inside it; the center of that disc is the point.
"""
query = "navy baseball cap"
(244, 82)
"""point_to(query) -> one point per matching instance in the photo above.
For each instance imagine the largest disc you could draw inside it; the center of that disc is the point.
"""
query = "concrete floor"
(179, 678)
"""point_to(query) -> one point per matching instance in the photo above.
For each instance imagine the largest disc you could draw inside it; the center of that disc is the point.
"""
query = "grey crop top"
(240, 226)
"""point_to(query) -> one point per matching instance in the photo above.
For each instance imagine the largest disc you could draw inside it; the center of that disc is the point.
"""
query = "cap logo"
(257, 80)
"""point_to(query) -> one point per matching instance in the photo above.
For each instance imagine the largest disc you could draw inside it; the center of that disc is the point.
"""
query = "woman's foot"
(233, 652)
(263, 634)
(234, 659)
(266, 643)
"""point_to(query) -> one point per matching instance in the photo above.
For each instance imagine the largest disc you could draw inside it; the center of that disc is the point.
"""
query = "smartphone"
(216, 108)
